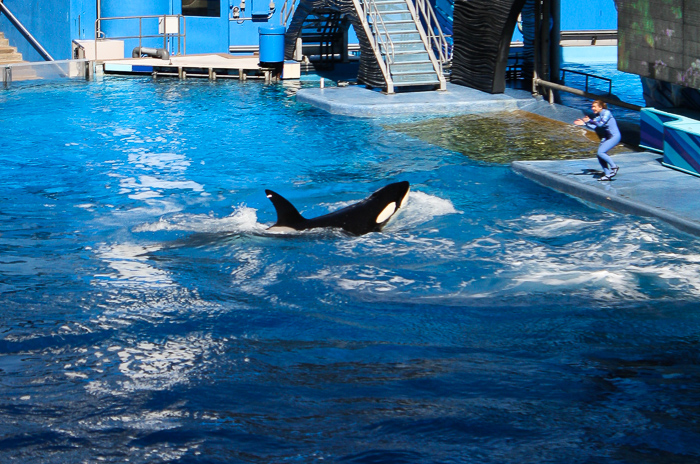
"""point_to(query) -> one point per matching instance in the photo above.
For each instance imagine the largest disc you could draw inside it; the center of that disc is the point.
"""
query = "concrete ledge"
(643, 187)
(359, 101)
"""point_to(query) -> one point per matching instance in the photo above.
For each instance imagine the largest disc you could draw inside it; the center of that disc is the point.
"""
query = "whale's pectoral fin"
(287, 214)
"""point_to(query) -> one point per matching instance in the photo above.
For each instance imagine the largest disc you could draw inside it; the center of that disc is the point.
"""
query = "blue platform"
(676, 134)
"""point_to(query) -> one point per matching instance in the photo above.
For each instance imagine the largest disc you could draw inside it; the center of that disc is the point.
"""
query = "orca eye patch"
(386, 212)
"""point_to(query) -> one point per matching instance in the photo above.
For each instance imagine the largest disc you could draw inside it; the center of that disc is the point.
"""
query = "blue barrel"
(272, 44)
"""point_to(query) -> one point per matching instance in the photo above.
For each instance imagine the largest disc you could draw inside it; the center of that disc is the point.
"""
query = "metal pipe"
(7, 76)
(551, 85)
(23, 30)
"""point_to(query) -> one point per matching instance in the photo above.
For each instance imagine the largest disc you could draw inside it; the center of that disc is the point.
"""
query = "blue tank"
(272, 44)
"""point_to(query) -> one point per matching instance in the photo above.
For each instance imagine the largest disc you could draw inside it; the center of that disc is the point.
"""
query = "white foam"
(606, 263)
(421, 208)
(549, 226)
(242, 220)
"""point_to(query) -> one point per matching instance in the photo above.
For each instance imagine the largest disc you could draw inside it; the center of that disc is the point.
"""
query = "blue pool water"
(148, 317)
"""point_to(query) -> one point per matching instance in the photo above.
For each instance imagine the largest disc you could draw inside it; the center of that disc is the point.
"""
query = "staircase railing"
(368, 8)
(287, 11)
(436, 38)
(380, 30)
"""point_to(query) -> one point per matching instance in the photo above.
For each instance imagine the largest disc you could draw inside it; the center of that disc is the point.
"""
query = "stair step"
(416, 84)
(410, 53)
(414, 34)
(391, 4)
(12, 60)
(413, 58)
(418, 64)
(401, 24)
(393, 8)
(396, 29)
(4, 49)
(407, 77)
(405, 46)
(413, 72)
(396, 15)
(418, 81)
(404, 38)
(405, 28)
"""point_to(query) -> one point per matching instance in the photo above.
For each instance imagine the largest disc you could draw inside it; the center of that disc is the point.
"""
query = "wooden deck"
(212, 66)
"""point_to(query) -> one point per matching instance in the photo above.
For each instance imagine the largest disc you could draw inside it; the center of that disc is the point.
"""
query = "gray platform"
(358, 101)
(643, 186)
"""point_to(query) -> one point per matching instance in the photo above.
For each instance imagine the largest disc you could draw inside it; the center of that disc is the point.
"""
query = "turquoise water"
(148, 316)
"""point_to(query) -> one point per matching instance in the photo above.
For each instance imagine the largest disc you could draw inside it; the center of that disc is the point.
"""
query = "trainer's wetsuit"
(606, 120)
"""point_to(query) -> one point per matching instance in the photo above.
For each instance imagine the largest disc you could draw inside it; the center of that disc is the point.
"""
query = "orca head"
(392, 197)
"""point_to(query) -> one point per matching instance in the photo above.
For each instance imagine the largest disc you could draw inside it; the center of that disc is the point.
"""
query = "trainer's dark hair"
(601, 103)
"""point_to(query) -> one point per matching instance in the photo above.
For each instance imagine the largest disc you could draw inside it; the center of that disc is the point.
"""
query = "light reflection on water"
(149, 316)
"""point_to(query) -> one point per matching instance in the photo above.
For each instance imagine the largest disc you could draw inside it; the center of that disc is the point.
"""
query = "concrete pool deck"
(358, 101)
(643, 186)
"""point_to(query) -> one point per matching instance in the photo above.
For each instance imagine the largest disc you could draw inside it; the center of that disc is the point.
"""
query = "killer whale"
(368, 215)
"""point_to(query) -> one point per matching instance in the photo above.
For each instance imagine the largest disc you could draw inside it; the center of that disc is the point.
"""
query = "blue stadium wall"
(588, 15)
(56, 23)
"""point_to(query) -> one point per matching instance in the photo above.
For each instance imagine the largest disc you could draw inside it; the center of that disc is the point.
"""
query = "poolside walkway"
(643, 186)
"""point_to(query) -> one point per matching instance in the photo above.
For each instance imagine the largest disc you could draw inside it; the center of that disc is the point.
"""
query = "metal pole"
(544, 43)
(7, 76)
(536, 50)
(592, 96)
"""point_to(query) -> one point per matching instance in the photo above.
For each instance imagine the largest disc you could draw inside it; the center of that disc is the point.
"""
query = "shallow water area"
(505, 137)
(148, 315)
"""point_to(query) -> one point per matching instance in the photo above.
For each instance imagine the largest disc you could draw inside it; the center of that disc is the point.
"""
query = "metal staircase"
(323, 33)
(405, 52)
(401, 41)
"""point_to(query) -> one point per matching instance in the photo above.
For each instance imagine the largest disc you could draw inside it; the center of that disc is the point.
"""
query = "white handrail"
(437, 40)
(287, 11)
(372, 36)
(382, 34)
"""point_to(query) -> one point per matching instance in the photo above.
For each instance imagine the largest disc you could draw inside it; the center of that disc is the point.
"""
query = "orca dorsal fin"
(287, 214)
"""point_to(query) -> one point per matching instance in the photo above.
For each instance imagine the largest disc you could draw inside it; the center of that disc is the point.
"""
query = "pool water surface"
(149, 317)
